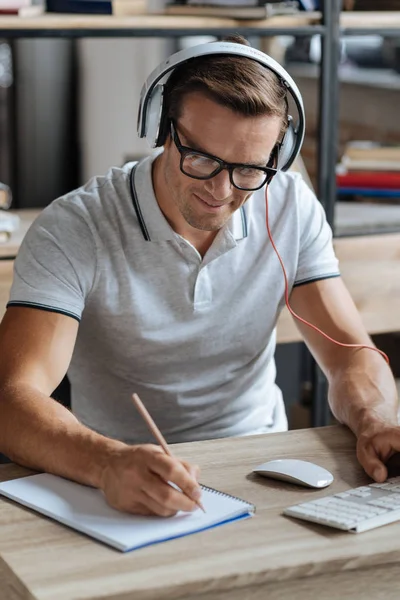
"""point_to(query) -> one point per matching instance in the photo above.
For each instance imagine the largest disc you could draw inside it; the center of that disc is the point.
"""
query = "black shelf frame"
(327, 158)
(159, 32)
(383, 31)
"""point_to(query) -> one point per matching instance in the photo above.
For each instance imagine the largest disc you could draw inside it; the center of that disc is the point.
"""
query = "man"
(161, 279)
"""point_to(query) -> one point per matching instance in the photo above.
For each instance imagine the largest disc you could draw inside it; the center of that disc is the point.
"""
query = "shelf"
(383, 22)
(386, 79)
(364, 218)
(150, 25)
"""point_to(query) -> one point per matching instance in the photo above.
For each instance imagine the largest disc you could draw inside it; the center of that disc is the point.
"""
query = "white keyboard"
(355, 510)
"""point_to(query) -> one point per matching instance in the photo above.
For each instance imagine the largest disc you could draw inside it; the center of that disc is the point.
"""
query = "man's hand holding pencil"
(137, 479)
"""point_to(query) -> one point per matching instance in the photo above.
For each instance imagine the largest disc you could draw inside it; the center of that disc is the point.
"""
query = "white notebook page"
(85, 509)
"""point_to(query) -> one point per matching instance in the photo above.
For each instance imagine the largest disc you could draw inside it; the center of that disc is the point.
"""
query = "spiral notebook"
(85, 509)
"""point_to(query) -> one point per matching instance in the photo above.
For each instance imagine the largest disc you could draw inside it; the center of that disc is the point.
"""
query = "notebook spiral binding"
(219, 493)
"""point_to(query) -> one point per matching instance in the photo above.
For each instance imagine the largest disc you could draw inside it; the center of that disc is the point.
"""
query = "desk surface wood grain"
(43, 560)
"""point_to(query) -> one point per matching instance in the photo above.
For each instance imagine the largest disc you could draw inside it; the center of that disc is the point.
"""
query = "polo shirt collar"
(154, 225)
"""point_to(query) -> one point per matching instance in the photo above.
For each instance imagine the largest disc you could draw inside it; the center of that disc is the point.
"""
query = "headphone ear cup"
(287, 147)
(153, 116)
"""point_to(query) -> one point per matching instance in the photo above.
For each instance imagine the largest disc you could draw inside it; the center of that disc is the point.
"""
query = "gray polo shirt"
(195, 338)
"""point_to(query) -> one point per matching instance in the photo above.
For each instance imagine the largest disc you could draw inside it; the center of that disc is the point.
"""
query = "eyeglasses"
(200, 165)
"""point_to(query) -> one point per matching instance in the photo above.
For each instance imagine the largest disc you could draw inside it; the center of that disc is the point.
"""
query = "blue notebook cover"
(85, 509)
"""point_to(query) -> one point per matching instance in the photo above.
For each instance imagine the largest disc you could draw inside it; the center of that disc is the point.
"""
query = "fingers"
(171, 469)
(193, 470)
(372, 465)
(155, 508)
(166, 499)
(373, 452)
(141, 508)
(144, 480)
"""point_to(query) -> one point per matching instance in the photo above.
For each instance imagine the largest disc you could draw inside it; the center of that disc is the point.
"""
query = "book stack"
(233, 9)
(22, 8)
(369, 172)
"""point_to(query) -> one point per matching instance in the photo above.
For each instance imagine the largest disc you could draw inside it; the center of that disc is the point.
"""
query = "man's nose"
(219, 186)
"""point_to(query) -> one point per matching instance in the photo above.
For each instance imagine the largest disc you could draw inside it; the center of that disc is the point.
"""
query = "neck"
(200, 239)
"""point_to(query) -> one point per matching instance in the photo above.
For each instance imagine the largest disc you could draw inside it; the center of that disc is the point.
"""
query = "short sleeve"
(317, 258)
(56, 264)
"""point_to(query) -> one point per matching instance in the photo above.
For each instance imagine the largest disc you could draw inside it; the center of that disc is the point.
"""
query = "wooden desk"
(268, 556)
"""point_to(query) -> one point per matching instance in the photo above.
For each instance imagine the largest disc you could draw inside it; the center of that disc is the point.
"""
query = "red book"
(369, 179)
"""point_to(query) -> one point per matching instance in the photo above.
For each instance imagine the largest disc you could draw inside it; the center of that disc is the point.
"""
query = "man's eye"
(198, 161)
(249, 172)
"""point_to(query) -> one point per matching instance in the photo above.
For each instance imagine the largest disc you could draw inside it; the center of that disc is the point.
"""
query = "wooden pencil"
(156, 433)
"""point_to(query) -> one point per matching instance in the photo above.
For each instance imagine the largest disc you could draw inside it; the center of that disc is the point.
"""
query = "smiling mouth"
(215, 206)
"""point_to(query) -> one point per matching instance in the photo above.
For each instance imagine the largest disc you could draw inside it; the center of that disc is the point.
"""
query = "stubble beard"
(201, 222)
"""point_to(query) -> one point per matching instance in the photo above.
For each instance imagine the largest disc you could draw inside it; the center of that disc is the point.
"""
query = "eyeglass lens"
(196, 165)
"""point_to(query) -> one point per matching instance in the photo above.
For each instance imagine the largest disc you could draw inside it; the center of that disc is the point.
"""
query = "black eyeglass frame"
(185, 150)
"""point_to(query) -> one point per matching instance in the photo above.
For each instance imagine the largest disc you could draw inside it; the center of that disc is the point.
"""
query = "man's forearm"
(38, 432)
(364, 393)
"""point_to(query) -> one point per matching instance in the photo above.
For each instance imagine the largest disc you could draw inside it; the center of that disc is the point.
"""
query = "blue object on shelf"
(372, 192)
(310, 5)
(99, 7)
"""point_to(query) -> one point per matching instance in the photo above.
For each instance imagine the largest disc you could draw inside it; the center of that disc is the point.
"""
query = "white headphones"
(151, 116)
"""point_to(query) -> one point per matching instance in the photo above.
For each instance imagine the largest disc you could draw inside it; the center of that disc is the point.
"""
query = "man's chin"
(206, 224)
(199, 215)
(208, 227)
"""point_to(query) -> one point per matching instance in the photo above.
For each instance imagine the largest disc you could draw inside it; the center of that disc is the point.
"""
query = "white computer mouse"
(296, 471)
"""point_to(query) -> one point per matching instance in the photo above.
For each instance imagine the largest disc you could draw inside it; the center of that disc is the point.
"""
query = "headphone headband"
(150, 115)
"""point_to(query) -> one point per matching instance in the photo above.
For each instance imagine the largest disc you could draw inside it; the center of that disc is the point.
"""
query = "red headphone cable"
(287, 297)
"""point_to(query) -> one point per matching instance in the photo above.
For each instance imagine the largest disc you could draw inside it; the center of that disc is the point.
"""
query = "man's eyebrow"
(193, 146)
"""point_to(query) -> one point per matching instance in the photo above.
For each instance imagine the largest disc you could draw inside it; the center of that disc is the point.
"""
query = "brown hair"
(236, 82)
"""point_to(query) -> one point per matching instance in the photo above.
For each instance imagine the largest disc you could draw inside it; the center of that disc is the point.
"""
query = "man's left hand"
(375, 445)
